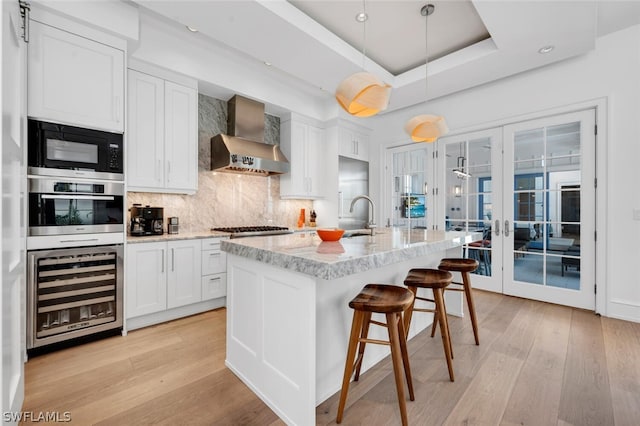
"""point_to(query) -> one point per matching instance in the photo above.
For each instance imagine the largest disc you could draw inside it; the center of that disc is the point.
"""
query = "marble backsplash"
(226, 199)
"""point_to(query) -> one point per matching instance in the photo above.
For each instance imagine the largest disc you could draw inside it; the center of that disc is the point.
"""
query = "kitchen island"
(288, 319)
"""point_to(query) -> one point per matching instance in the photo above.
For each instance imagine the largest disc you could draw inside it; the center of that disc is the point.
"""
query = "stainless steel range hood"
(243, 150)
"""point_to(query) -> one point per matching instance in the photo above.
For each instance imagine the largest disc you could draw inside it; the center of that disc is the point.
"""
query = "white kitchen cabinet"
(74, 80)
(162, 275)
(214, 268)
(162, 133)
(145, 130)
(181, 137)
(146, 279)
(183, 273)
(353, 144)
(171, 279)
(301, 143)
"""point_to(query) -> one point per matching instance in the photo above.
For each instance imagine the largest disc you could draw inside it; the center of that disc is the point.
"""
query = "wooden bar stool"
(437, 280)
(465, 267)
(392, 301)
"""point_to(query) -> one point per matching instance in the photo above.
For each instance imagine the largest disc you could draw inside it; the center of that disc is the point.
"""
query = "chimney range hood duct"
(243, 150)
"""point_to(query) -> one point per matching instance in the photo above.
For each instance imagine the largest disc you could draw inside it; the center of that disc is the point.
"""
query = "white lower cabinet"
(146, 279)
(183, 275)
(214, 270)
(167, 280)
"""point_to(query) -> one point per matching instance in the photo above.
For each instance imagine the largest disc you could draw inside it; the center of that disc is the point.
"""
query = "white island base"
(287, 331)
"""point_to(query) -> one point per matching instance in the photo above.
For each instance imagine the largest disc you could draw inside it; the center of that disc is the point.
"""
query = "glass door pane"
(546, 167)
(470, 203)
(409, 187)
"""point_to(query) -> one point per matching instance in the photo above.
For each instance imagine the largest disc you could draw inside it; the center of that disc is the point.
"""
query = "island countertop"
(306, 253)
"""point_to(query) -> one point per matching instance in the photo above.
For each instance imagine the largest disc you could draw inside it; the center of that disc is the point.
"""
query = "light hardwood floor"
(537, 364)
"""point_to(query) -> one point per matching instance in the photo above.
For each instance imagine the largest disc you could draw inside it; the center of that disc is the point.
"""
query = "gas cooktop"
(252, 231)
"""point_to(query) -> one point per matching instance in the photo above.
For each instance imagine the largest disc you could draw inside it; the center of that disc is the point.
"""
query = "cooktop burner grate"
(250, 231)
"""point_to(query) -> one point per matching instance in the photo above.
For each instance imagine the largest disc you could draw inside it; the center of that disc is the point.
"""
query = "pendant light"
(460, 169)
(426, 127)
(363, 94)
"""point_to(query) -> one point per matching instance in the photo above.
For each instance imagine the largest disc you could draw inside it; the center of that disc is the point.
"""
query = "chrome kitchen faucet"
(372, 223)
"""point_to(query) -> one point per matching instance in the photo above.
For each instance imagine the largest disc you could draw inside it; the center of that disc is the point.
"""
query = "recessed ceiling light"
(193, 30)
(267, 63)
(545, 49)
(361, 17)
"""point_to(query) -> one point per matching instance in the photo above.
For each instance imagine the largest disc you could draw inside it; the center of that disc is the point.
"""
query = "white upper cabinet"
(301, 143)
(354, 144)
(74, 80)
(162, 129)
(181, 137)
(145, 131)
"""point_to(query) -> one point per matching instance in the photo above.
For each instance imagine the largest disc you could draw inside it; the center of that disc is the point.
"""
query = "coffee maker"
(146, 220)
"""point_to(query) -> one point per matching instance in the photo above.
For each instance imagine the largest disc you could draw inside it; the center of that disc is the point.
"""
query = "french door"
(529, 188)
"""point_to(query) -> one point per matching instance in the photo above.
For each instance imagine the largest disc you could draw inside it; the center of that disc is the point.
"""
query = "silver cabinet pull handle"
(497, 228)
(162, 263)
(506, 228)
(173, 258)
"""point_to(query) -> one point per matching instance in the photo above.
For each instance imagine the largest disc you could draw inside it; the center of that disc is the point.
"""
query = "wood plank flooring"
(537, 364)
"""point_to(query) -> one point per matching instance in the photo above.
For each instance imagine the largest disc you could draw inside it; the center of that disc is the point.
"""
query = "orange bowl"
(330, 234)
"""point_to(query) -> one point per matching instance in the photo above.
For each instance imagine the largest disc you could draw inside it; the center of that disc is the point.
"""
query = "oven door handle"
(76, 197)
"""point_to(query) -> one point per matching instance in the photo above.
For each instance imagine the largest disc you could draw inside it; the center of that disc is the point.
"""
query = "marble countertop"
(131, 239)
(306, 253)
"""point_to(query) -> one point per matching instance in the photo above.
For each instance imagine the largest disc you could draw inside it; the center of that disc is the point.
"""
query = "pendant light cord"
(426, 55)
(364, 33)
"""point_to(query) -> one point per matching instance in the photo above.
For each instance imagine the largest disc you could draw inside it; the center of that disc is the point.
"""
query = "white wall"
(611, 71)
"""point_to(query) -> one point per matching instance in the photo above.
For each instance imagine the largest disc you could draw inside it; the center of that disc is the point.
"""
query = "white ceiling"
(394, 32)
(290, 36)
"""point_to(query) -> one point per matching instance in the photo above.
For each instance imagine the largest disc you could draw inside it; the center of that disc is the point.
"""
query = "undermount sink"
(356, 234)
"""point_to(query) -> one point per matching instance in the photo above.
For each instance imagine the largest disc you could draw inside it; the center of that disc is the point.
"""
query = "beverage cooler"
(73, 292)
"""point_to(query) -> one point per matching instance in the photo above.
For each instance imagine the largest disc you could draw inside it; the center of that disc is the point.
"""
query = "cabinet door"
(293, 140)
(184, 273)
(74, 80)
(214, 286)
(145, 130)
(354, 144)
(146, 279)
(314, 159)
(214, 260)
(181, 137)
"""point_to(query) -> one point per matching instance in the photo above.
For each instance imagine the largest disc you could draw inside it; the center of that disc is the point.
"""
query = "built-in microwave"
(63, 206)
(68, 151)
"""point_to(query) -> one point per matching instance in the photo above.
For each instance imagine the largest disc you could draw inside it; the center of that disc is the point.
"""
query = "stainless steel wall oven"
(59, 206)
(73, 293)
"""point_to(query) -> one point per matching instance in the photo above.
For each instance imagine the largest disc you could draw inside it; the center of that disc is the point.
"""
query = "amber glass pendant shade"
(426, 128)
(362, 94)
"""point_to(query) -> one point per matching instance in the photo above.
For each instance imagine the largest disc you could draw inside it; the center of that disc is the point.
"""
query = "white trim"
(165, 74)
(172, 314)
(60, 22)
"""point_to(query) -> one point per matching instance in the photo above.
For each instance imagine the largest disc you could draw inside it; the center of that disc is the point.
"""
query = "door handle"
(162, 263)
(506, 228)
(497, 228)
(76, 197)
(173, 258)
